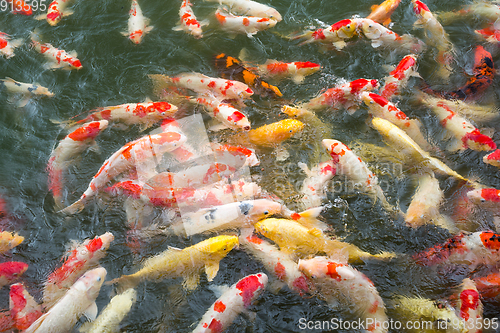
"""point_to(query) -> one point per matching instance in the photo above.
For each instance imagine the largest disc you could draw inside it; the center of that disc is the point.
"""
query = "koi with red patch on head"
(398, 78)
(335, 35)
(470, 306)
(314, 184)
(7, 46)
(493, 158)
(56, 11)
(56, 58)
(188, 21)
(137, 24)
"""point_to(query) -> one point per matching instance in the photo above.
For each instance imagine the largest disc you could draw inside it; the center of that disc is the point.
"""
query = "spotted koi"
(138, 25)
(9, 240)
(493, 158)
(249, 25)
(227, 114)
(296, 70)
(55, 12)
(7, 46)
(188, 22)
(313, 185)
(398, 78)
(252, 8)
(56, 58)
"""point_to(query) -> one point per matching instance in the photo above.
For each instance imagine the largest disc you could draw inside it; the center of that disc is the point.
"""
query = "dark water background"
(115, 72)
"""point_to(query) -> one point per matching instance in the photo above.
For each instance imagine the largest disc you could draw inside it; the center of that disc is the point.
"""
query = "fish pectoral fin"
(217, 127)
(124, 33)
(191, 282)
(95, 147)
(73, 54)
(275, 286)
(149, 28)
(315, 232)
(174, 248)
(68, 12)
(376, 43)
(339, 45)
(211, 269)
(91, 312)
(386, 22)
(22, 102)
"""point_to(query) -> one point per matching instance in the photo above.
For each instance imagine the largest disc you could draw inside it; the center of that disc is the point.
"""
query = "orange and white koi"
(482, 247)
(296, 70)
(7, 46)
(10, 271)
(248, 25)
(313, 185)
(227, 114)
(493, 158)
(82, 258)
(23, 307)
(335, 35)
(78, 300)
(133, 153)
(470, 307)
(55, 12)
(436, 37)
(381, 36)
(9, 240)
(380, 107)
(138, 25)
(466, 135)
(382, 13)
(20, 7)
(56, 58)
(280, 264)
(331, 277)
(233, 301)
(343, 95)
(66, 151)
(187, 263)
(251, 8)
(188, 22)
(143, 114)
(398, 78)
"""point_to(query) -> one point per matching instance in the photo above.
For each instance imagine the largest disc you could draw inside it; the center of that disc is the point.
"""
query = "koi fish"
(7, 323)
(228, 115)
(79, 300)
(493, 158)
(251, 8)
(133, 153)
(296, 70)
(9, 240)
(466, 135)
(56, 58)
(138, 25)
(187, 263)
(335, 35)
(231, 68)
(315, 181)
(11, 271)
(294, 238)
(436, 37)
(343, 95)
(188, 22)
(402, 142)
(20, 7)
(481, 9)
(143, 114)
(25, 89)
(248, 154)
(382, 13)
(275, 133)
(23, 307)
(7, 46)
(398, 78)
(233, 301)
(380, 107)
(67, 150)
(185, 152)
(83, 257)
(331, 277)
(56, 11)
(280, 264)
(470, 306)
(489, 285)
(110, 317)
(480, 247)
(248, 25)
(492, 32)
(381, 36)
(204, 85)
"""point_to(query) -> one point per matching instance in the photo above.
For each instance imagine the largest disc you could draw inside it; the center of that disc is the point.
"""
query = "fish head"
(15, 240)
(90, 283)
(491, 240)
(335, 148)
(485, 197)
(273, 14)
(97, 247)
(345, 28)
(307, 67)
(382, 126)
(43, 91)
(13, 269)
(314, 268)
(267, 228)
(161, 109)
(419, 7)
(136, 36)
(266, 23)
(221, 245)
(294, 112)
(75, 63)
(371, 29)
(264, 208)
(365, 97)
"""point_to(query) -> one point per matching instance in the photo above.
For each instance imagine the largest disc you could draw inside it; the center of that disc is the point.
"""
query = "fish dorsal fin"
(374, 7)
(191, 281)
(315, 232)
(91, 312)
(73, 53)
(8, 79)
(211, 269)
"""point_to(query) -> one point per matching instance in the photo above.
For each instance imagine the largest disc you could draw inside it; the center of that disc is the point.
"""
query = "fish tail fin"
(306, 37)
(74, 208)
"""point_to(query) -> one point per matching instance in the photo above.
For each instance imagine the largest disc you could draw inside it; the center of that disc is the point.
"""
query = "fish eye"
(313, 276)
(370, 26)
(290, 131)
(266, 212)
(224, 248)
(163, 113)
(483, 200)
(98, 278)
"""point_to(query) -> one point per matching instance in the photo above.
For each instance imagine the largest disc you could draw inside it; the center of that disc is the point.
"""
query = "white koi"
(138, 25)
(188, 22)
(313, 186)
(251, 8)
(248, 25)
(7, 46)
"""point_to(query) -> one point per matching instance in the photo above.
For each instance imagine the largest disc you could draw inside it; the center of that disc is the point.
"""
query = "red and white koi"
(78, 300)
(470, 307)
(56, 11)
(138, 25)
(133, 153)
(380, 107)
(232, 302)
(398, 78)
(280, 264)
(381, 36)
(80, 259)
(343, 95)
(23, 307)
(382, 13)
(69, 148)
(466, 135)
(335, 35)
(10, 271)
(7, 46)
(251, 158)
(482, 247)
(251, 8)
(56, 58)
(227, 114)
(248, 25)
(493, 158)
(188, 22)
(436, 37)
(330, 278)
(313, 185)
(143, 114)
(296, 70)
